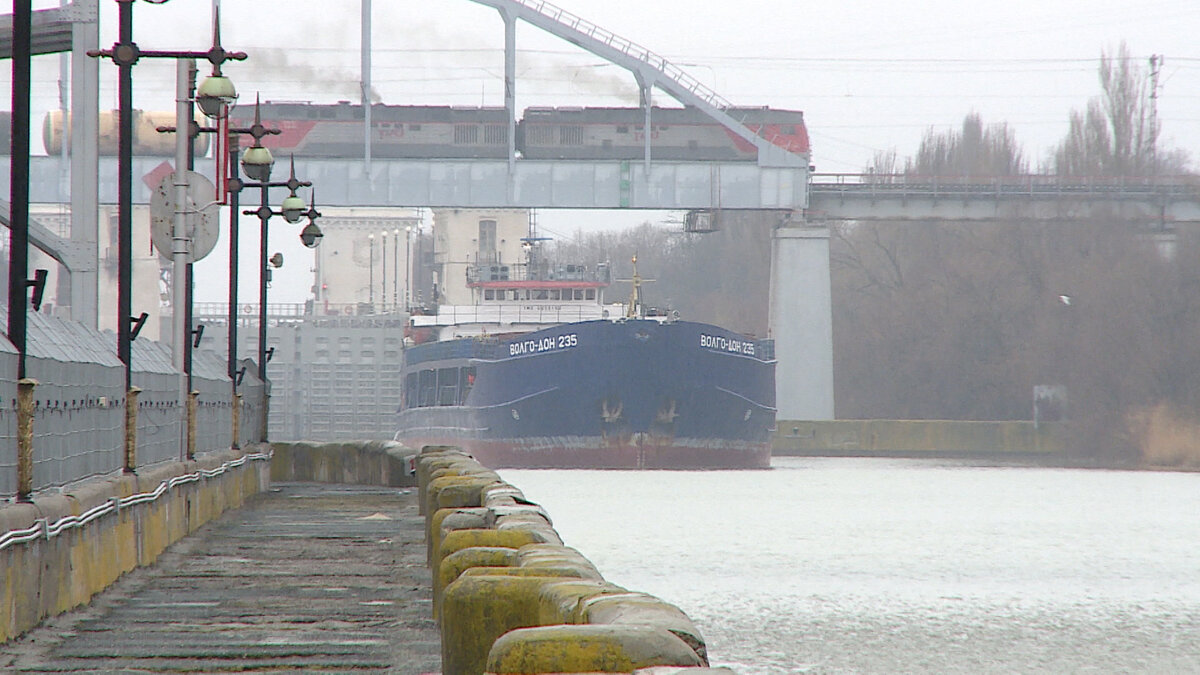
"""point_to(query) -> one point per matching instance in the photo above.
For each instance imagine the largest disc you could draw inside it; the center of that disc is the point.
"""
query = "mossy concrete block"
(642, 610)
(477, 609)
(460, 491)
(460, 539)
(677, 670)
(448, 520)
(456, 563)
(556, 555)
(558, 603)
(587, 649)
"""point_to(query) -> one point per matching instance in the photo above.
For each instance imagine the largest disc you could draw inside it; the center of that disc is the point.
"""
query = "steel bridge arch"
(649, 69)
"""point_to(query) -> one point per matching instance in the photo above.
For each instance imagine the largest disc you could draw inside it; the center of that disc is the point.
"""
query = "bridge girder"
(648, 68)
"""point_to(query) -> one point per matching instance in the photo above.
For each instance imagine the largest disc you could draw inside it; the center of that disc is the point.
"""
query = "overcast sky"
(869, 75)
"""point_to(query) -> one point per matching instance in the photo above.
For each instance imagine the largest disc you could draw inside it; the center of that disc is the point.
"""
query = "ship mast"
(634, 310)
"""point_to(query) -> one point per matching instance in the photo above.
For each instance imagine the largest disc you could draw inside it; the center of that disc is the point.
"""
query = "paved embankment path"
(305, 578)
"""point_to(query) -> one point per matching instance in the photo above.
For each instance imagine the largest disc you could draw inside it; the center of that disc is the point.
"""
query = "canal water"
(903, 566)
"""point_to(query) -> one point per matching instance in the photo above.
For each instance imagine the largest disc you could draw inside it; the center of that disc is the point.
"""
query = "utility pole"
(1156, 62)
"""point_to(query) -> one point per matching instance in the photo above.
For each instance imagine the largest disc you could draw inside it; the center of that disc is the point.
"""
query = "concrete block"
(586, 649)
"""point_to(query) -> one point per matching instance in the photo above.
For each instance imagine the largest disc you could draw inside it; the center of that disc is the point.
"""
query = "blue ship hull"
(596, 394)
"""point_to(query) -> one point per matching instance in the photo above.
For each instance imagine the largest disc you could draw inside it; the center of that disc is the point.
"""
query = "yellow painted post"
(131, 404)
(266, 413)
(237, 421)
(25, 389)
(193, 397)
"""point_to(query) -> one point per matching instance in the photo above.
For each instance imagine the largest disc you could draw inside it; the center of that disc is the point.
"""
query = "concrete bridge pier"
(801, 322)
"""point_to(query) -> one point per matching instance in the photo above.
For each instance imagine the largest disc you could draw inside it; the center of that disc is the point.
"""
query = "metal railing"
(79, 405)
(1027, 185)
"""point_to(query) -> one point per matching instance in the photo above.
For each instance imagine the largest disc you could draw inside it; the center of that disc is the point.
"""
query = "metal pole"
(85, 171)
(125, 192)
(234, 215)
(180, 243)
(262, 312)
(407, 268)
(371, 272)
(18, 217)
(383, 271)
(262, 288)
(396, 270)
(366, 84)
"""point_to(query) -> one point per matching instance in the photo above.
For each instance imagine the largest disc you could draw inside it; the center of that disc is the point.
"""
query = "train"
(335, 131)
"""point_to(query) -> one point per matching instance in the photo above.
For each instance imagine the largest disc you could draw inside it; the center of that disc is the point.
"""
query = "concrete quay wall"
(63, 547)
(915, 438)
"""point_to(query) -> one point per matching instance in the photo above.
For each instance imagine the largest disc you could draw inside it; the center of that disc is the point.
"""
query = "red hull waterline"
(601, 453)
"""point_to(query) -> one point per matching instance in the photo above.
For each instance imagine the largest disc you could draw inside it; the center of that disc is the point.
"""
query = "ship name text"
(724, 344)
(541, 345)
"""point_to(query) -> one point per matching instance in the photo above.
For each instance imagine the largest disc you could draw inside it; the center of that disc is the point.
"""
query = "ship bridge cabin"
(496, 284)
(519, 298)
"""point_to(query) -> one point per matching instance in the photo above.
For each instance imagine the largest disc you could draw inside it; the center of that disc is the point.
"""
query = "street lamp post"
(292, 209)
(214, 94)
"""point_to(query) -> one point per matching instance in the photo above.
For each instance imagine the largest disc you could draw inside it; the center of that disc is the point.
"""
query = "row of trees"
(961, 321)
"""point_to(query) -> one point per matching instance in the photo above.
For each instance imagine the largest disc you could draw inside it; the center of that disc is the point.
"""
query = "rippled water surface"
(886, 566)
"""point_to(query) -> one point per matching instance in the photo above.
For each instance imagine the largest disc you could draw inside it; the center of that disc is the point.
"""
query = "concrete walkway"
(305, 578)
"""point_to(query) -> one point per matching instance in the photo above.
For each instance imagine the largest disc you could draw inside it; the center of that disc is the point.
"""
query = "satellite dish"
(202, 215)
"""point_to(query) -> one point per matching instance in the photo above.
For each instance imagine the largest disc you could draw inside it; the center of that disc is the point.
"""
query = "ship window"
(555, 294)
(591, 294)
(489, 294)
(467, 381)
(447, 381)
(543, 295)
(410, 391)
(428, 388)
(578, 293)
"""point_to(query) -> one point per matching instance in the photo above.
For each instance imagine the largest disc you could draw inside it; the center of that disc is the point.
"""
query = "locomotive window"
(622, 129)
(466, 133)
(570, 135)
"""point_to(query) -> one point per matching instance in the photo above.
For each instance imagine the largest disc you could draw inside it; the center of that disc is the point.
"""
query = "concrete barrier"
(362, 463)
(915, 438)
(510, 598)
(74, 544)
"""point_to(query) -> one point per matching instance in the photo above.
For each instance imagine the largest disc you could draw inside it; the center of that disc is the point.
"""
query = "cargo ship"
(540, 373)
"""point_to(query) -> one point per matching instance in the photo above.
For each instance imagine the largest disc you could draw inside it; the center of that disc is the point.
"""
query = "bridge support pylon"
(801, 321)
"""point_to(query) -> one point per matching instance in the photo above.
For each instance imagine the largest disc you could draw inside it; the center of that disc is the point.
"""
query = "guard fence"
(79, 404)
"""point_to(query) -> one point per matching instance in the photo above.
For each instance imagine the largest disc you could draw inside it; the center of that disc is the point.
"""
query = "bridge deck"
(304, 578)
